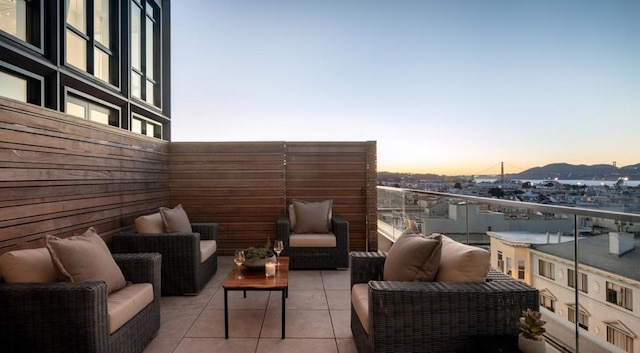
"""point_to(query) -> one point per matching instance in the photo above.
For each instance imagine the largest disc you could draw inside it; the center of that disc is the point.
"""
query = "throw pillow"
(175, 220)
(413, 257)
(461, 263)
(150, 224)
(86, 258)
(28, 266)
(312, 217)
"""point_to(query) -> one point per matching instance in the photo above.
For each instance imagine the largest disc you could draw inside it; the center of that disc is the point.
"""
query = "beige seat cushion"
(175, 220)
(413, 257)
(207, 248)
(126, 303)
(462, 263)
(360, 302)
(86, 258)
(150, 224)
(312, 217)
(325, 240)
(28, 266)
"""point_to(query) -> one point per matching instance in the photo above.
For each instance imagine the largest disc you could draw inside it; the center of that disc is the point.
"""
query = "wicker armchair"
(435, 316)
(72, 317)
(182, 271)
(320, 257)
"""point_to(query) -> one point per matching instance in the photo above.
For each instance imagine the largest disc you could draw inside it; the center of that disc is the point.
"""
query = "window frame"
(155, 78)
(546, 269)
(147, 121)
(34, 27)
(35, 83)
(79, 98)
(619, 295)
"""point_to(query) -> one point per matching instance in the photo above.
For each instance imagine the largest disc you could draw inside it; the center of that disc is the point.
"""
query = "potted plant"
(531, 339)
(255, 258)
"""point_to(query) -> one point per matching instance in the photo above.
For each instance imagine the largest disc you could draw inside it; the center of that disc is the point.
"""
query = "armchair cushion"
(86, 258)
(326, 240)
(312, 217)
(28, 266)
(207, 248)
(150, 224)
(360, 303)
(126, 303)
(462, 263)
(175, 220)
(413, 257)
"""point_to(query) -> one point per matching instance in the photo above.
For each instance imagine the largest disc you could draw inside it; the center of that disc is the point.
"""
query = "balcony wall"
(60, 175)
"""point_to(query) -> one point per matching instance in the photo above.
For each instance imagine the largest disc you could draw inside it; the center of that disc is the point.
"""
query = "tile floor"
(317, 317)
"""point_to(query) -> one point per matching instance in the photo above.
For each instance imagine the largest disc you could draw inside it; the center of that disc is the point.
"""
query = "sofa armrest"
(340, 228)
(434, 316)
(54, 317)
(141, 268)
(208, 231)
(283, 230)
(367, 266)
(174, 245)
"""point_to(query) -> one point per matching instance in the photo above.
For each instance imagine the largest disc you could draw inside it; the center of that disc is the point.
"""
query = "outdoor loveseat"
(418, 316)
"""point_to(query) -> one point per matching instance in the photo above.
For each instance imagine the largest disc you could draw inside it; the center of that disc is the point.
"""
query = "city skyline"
(447, 88)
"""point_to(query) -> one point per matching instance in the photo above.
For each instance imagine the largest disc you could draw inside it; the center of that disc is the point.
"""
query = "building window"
(521, 269)
(86, 109)
(583, 284)
(146, 127)
(583, 317)
(13, 87)
(509, 266)
(546, 269)
(145, 51)
(20, 85)
(620, 295)
(617, 336)
(548, 302)
(500, 261)
(21, 19)
(90, 50)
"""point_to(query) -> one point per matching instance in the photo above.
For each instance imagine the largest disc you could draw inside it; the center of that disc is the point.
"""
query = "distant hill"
(579, 172)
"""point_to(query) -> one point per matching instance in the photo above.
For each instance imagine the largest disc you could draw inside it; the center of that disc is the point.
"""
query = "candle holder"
(270, 269)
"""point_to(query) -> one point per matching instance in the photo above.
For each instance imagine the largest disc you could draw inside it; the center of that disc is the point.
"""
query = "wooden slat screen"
(60, 175)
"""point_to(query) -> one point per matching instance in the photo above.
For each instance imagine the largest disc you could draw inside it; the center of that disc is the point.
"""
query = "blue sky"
(444, 87)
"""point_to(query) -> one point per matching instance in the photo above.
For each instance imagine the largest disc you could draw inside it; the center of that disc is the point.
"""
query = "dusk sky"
(444, 87)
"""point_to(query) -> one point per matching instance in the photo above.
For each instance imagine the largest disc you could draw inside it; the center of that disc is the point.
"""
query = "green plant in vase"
(256, 257)
(531, 339)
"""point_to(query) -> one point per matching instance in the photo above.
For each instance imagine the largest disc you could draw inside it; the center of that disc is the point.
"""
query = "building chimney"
(548, 237)
(559, 237)
(620, 243)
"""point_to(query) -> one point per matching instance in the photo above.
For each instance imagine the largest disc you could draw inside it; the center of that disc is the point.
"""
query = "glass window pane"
(13, 18)
(99, 116)
(101, 22)
(76, 14)
(136, 125)
(136, 85)
(101, 64)
(76, 110)
(149, 45)
(136, 38)
(150, 92)
(13, 87)
(76, 50)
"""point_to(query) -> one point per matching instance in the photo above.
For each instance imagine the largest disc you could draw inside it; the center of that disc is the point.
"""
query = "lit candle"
(270, 269)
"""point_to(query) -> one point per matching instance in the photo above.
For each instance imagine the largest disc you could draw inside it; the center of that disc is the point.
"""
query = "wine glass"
(238, 258)
(278, 246)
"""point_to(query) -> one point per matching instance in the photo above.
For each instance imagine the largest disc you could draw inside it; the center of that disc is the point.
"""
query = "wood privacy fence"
(60, 175)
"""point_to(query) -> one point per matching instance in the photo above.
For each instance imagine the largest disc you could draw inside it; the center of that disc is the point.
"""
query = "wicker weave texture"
(182, 271)
(72, 317)
(435, 316)
(316, 258)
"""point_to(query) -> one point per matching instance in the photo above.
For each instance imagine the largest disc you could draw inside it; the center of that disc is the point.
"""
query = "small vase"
(527, 345)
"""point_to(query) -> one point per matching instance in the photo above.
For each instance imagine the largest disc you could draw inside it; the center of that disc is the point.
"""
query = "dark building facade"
(103, 60)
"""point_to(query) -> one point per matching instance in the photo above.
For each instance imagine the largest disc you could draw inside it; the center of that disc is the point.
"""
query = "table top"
(257, 279)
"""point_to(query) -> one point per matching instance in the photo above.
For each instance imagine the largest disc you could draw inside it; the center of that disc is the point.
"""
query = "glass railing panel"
(591, 304)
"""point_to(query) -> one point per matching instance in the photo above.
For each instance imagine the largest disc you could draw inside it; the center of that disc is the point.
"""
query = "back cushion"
(28, 266)
(150, 224)
(175, 220)
(462, 263)
(413, 257)
(312, 217)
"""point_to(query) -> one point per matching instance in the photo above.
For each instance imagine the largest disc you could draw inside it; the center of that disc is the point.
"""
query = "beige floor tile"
(176, 323)
(341, 321)
(217, 345)
(339, 299)
(242, 323)
(254, 300)
(336, 279)
(298, 324)
(198, 302)
(162, 345)
(300, 299)
(346, 345)
(305, 280)
(296, 345)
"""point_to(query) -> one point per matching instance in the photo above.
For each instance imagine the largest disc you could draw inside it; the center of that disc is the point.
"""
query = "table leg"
(283, 310)
(226, 316)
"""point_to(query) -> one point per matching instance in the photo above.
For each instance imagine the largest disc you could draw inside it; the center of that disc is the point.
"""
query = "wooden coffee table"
(257, 281)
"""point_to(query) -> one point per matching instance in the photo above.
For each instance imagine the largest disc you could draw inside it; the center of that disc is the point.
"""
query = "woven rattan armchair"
(435, 316)
(182, 271)
(320, 257)
(72, 317)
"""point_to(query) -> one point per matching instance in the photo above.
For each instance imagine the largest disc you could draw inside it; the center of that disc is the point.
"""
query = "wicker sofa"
(435, 316)
(72, 317)
(183, 272)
